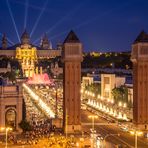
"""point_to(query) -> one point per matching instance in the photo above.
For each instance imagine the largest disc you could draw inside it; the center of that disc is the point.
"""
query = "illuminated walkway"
(41, 104)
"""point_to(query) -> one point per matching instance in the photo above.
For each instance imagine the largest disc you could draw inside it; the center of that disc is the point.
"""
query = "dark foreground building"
(140, 80)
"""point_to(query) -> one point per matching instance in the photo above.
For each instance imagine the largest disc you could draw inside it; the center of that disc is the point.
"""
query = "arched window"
(10, 118)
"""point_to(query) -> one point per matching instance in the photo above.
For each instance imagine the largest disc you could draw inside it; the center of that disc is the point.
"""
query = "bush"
(25, 125)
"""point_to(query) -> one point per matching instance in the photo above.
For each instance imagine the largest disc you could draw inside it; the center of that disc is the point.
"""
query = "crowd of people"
(39, 130)
(57, 141)
(41, 135)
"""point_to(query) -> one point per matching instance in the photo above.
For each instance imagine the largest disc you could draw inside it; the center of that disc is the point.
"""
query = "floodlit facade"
(109, 82)
(29, 54)
(87, 81)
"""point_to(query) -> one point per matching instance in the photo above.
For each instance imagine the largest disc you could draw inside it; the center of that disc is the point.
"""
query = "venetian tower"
(140, 80)
(72, 58)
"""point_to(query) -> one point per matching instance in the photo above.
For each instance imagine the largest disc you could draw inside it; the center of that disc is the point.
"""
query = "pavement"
(125, 139)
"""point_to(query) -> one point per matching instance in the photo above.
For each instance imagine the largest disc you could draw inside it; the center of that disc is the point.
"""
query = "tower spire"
(72, 38)
(142, 37)
(4, 41)
(45, 42)
(25, 38)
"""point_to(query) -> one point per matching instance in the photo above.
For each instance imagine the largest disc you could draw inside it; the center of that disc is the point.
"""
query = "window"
(106, 80)
(144, 50)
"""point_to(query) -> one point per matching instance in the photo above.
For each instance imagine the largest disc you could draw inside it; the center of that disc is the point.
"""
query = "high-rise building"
(140, 80)
(72, 57)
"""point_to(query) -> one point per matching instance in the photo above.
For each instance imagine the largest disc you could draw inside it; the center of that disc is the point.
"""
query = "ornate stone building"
(140, 80)
(109, 82)
(27, 53)
(10, 106)
(72, 58)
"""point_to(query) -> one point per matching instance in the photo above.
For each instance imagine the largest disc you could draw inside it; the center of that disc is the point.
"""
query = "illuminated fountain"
(40, 79)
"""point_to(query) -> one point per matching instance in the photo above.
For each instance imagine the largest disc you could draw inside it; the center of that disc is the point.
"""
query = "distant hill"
(107, 60)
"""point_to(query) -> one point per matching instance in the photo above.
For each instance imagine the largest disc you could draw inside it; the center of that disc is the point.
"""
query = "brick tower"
(72, 58)
(140, 80)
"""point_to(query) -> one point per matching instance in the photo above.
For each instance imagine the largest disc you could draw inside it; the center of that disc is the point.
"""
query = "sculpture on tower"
(45, 42)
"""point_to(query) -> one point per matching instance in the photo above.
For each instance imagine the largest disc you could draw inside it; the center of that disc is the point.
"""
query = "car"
(124, 128)
(145, 135)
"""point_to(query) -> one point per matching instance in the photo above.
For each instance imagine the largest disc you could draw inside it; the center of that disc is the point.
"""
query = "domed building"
(27, 53)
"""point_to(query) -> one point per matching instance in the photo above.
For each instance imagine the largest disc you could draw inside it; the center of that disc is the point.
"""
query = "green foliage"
(15, 67)
(25, 125)
(11, 76)
(95, 88)
(120, 94)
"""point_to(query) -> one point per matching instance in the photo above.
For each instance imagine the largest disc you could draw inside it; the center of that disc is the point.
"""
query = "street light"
(93, 117)
(136, 133)
(6, 130)
(120, 104)
(56, 103)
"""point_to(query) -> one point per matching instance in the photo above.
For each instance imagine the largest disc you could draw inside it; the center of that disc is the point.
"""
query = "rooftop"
(71, 38)
(142, 37)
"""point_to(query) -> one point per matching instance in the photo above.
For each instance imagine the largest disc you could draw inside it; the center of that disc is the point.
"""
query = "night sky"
(101, 25)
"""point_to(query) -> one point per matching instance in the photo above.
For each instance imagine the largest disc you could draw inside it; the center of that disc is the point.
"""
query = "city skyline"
(101, 26)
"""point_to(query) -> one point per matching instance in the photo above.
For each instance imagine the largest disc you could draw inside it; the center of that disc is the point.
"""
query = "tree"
(120, 94)
(12, 76)
(25, 125)
(94, 87)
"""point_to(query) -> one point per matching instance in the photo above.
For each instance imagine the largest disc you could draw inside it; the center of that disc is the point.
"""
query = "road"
(125, 139)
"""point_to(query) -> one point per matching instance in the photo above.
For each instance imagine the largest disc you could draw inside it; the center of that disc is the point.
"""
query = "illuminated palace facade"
(28, 54)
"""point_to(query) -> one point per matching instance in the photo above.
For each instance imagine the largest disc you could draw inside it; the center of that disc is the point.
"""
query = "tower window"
(143, 50)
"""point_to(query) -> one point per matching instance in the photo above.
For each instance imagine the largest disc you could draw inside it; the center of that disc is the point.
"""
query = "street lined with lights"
(108, 109)
(119, 112)
(41, 93)
(39, 101)
(100, 128)
(101, 106)
(111, 132)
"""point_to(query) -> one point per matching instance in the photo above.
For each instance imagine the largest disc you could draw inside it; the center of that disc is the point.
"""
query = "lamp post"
(136, 139)
(93, 117)
(56, 103)
(56, 97)
(136, 133)
(6, 130)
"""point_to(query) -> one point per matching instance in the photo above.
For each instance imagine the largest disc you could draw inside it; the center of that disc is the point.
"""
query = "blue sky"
(101, 25)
